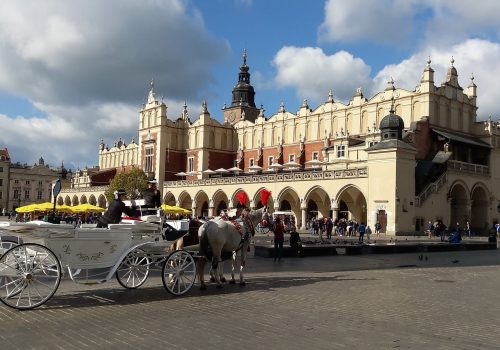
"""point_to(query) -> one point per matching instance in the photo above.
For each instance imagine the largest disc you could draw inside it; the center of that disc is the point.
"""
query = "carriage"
(30, 272)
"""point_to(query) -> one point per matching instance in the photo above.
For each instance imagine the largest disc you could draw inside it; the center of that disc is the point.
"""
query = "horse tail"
(204, 244)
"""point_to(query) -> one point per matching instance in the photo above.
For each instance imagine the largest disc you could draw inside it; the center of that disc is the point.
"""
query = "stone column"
(276, 204)
(193, 209)
(252, 204)
(303, 209)
(211, 208)
(334, 206)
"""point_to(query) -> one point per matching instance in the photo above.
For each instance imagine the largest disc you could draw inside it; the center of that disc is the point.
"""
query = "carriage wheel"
(134, 269)
(179, 272)
(29, 276)
(6, 245)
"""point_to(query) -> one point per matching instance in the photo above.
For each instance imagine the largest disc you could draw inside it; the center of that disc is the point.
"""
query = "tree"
(133, 182)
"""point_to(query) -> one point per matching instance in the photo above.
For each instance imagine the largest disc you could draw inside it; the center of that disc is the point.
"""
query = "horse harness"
(243, 225)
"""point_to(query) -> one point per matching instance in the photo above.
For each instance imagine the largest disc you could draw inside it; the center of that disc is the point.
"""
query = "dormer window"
(341, 151)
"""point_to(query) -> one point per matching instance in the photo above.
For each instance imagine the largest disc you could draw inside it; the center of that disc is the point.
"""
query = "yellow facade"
(339, 172)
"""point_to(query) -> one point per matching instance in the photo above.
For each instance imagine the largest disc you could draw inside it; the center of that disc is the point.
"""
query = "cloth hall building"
(400, 157)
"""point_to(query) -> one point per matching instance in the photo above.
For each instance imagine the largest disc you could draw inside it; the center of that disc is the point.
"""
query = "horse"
(218, 236)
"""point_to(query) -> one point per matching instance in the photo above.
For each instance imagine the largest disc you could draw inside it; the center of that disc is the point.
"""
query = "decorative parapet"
(281, 177)
(84, 189)
(476, 169)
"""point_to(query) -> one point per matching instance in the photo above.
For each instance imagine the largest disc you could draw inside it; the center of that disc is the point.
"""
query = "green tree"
(133, 182)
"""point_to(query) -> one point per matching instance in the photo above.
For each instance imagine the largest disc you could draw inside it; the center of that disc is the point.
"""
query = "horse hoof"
(220, 286)
(243, 284)
(223, 280)
(203, 287)
(212, 279)
(232, 282)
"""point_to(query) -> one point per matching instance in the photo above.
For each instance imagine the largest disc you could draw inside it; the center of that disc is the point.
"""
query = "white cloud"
(87, 65)
(371, 20)
(313, 73)
(403, 22)
(474, 56)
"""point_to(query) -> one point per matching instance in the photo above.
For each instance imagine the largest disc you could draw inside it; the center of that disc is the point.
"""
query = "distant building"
(400, 157)
(22, 184)
(4, 179)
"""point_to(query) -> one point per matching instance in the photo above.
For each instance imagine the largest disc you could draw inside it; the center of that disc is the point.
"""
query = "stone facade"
(443, 164)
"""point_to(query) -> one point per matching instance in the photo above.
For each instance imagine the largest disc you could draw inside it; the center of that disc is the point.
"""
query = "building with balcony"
(399, 157)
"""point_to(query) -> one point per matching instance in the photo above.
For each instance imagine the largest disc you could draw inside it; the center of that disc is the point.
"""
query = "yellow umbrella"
(27, 208)
(87, 208)
(64, 208)
(172, 209)
(47, 206)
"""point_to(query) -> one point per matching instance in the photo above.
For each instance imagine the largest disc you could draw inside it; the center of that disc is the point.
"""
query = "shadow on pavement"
(103, 297)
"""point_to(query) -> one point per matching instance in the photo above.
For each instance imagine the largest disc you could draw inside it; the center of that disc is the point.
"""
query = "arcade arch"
(479, 209)
(352, 204)
(201, 200)
(289, 200)
(92, 200)
(169, 199)
(74, 201)
(458, 204)
(101, 202)
(67, 201)
(318, 203)
(235, 201)
(60, 201)
(258, 202)
(185, 201)
(83, 199)
(220, 202)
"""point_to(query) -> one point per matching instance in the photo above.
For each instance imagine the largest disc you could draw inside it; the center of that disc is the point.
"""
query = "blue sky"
(72, 74)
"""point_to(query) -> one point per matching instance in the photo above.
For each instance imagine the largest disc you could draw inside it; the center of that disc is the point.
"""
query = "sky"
(73, 73)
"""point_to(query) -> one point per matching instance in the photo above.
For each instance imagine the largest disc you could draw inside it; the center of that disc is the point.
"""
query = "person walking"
(378, 227)
(368, 232)
(430, 229)
(279, 238)
(361, 230)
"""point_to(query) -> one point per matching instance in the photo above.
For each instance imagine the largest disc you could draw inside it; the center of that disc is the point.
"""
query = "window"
(372, 143)
(27, 194)
(16, 194)
(27, 182)
(1, 169)
(315, 155)
(291, 158)
(252, 162)
(1, 182)
(270, 161)
(16, 182)
(39, 195)
(148, 159)
(341, 151)
(190, 164)
(40, 183)
(1, 195)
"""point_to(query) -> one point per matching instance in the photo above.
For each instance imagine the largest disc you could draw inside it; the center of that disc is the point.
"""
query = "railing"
(433, 187)
(476, 169)
(84, 189)
(276, 177)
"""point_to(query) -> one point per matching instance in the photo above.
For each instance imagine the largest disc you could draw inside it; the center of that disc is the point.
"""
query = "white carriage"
(30, 273)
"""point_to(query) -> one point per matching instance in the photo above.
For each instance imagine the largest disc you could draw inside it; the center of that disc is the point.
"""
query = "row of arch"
(100, 201)
(469, 205)
(349, 202)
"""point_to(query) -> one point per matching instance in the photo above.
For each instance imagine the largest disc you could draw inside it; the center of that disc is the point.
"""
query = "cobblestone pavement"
(392, 301)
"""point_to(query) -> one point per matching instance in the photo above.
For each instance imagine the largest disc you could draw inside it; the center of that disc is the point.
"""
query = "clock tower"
(243, 102)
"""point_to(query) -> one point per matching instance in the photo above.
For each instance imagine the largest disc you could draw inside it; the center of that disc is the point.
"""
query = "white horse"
(218, 236)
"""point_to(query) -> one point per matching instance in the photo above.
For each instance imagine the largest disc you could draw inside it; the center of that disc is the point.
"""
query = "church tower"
(243, 102)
